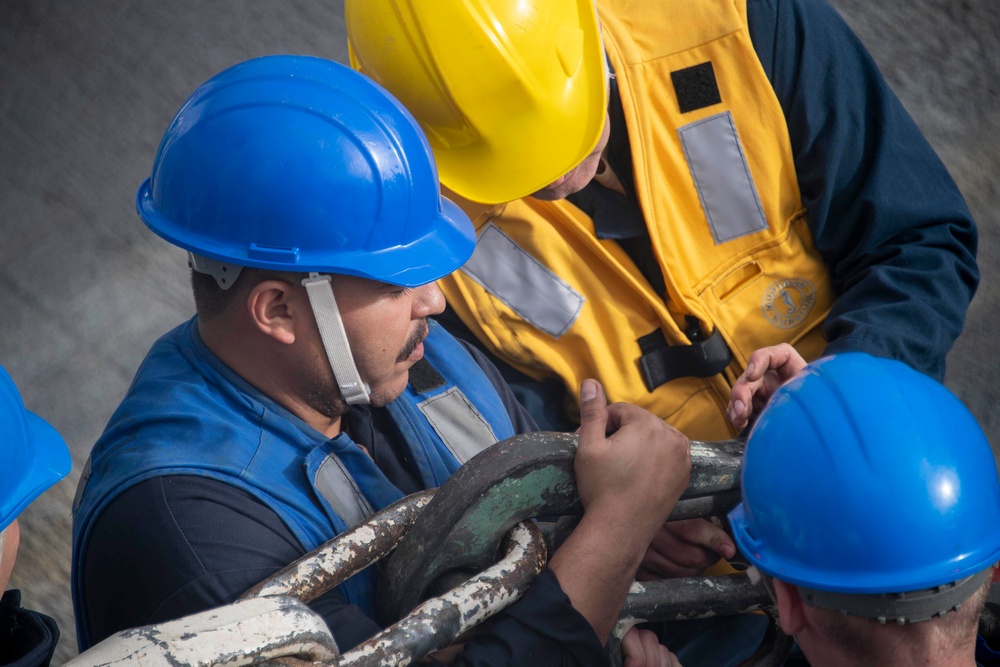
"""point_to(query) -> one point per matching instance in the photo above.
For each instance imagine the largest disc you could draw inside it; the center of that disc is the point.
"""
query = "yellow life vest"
(715, 180)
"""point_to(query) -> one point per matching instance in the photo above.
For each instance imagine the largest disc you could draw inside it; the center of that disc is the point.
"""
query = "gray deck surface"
(88, 86)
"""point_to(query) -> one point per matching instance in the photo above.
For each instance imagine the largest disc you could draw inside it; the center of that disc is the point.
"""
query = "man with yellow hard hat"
(661, 187)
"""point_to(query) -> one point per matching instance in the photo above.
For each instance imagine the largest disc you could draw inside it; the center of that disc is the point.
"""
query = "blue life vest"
(187, 413)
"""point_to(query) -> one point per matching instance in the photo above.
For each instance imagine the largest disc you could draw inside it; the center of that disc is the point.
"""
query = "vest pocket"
(738, 279)
(776, 293)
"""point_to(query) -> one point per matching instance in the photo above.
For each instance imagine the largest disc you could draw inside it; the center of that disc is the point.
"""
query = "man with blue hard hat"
(311, 389)
(33, 457)
(871, 507)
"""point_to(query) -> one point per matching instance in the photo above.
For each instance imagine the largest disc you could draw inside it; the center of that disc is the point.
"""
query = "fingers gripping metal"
(442, 536)
(522, 477)
(532, 476)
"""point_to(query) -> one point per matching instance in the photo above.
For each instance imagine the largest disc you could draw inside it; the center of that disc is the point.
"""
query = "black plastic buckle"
(704, 357)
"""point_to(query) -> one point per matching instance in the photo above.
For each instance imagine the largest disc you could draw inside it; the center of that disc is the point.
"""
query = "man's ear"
(274, 306)
(791, 608)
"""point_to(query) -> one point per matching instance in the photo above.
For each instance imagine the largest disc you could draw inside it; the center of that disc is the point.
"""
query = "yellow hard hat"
(511, 93)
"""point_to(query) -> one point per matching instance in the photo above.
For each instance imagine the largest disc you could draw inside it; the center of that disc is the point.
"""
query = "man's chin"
(555, 192)
(570, 184)
(383, 396)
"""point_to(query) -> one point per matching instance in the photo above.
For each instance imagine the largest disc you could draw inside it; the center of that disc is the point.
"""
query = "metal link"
(694, 597)
(526, 476)
(247, 632)
(531, 475)
(333, 563)
(438, 621)
(435, 623)
(438, 538)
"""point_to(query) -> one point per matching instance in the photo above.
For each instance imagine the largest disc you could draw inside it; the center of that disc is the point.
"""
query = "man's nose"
(429, 301)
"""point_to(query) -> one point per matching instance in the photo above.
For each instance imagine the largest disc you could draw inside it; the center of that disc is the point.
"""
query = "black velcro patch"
(424, 377)
(696, 87)
(652, 342)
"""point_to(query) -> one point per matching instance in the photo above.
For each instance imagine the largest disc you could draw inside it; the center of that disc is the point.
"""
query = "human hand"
(642, 648)
(684, 549)
(629, 464)
(767, 369)
(630, 467)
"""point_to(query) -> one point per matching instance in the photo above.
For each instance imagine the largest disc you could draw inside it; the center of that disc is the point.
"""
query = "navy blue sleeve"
(884, 213)
(173, 546)
(27, 638)
(542, 628)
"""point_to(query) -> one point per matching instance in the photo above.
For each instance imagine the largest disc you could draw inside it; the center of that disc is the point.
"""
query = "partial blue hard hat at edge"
(865, 476)
(33, 456)
(296, 163)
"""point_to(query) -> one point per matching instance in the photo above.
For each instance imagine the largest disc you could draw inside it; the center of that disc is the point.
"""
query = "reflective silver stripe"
(531, 290)
(721, 175)
(458, 423)
(338, 488)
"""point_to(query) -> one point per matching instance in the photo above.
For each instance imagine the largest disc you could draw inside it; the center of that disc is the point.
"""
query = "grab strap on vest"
(662, 363)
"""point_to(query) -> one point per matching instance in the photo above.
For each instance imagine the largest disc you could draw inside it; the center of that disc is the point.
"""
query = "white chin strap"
(331, 330)
(324, 307)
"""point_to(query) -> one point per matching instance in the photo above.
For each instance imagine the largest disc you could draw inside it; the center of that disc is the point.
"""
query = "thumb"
(593, 410)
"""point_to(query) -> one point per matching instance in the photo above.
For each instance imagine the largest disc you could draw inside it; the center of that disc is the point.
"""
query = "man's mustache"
(416, 339)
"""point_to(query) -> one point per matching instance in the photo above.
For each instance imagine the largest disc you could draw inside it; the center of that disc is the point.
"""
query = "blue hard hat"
(296, 163)
(33, 455)
(864, 476)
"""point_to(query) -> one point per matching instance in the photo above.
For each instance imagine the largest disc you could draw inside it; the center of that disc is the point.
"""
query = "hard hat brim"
(51, 462)
(447, 245)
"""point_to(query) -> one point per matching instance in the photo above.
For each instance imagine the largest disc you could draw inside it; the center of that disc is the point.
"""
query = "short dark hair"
(210, 300)
(870, 643)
